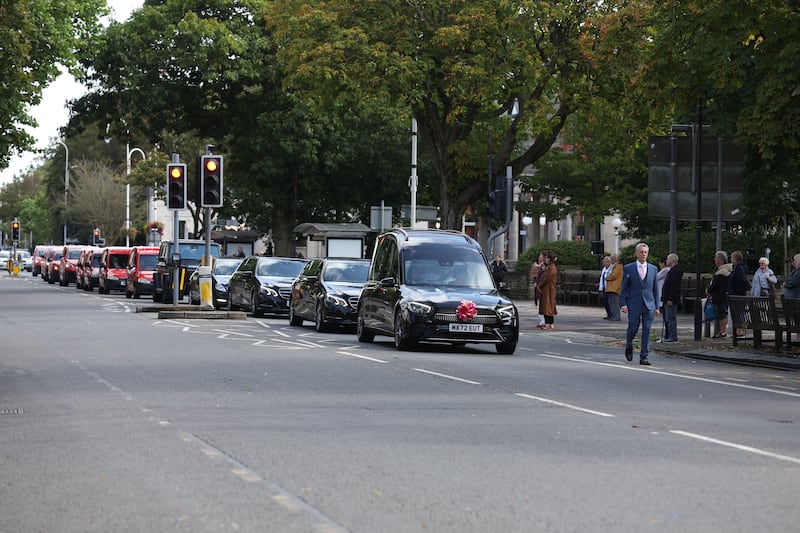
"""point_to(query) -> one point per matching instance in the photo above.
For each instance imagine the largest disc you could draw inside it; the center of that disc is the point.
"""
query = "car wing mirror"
(388, 282)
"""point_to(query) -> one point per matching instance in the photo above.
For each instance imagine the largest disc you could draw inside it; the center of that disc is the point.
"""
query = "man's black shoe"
(644, 361)
(629, 352)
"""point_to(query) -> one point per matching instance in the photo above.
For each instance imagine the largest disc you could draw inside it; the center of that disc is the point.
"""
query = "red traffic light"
(176, 186)
(211, 165)
(176, 172)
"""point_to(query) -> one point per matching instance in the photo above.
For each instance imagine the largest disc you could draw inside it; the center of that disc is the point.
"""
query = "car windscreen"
(196, 251)
(148, 261)
(225, 268)
(344, 272)
(279, 268)
(117, 260)
(442, 266)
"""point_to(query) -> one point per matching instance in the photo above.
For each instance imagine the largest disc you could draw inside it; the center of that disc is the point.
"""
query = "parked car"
(326, 291)
(191, 256)
(434, 286)
(89, 268)
(26, 260)
(69, 264)
(139, 271)
(52, 264)
(38, 259)
(112, 275)
(220, 276)
(263, 284)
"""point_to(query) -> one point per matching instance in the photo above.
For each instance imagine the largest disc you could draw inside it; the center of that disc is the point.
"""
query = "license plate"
(466, 328)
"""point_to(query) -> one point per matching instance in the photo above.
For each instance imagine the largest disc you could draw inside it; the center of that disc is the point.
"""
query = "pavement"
(587, 324)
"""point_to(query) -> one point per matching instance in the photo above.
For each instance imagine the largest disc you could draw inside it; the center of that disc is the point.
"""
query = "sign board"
(375, 223)
(670, 176)
(424, 212)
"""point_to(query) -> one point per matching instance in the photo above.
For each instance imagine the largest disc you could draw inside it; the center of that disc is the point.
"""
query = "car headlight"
(335, 300)
(420, 308)
(269, 291)
(222, 287)
(506, 312)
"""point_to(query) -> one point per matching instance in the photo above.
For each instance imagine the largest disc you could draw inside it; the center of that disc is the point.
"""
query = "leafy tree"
(213, 76)
(459, 67)
(97, 200)
(38, 37)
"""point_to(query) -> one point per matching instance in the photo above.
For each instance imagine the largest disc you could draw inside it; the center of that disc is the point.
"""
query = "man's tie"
(642, 270)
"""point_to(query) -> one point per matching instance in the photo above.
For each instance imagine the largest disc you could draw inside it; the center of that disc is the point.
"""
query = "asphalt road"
(113, 420)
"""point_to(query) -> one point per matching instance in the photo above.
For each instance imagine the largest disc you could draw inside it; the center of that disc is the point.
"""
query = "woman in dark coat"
(547, 289)
(718, 292)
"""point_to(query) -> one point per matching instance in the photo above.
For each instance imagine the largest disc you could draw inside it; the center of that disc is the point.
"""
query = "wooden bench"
(791, 317)
(756, 313)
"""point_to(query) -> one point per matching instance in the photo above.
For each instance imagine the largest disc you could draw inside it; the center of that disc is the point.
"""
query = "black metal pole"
(698, 168)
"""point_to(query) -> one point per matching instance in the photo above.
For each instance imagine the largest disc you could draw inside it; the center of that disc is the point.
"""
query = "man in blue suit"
(639, 299)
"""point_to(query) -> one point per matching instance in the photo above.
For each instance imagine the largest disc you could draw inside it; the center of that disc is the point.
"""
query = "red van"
(112, 275)
(141, 265)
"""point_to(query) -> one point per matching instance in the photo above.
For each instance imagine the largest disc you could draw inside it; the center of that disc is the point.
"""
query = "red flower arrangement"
(466, 311)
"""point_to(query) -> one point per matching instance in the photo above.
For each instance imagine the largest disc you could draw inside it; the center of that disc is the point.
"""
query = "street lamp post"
(617, 224)
(66, 185)
(128, 153)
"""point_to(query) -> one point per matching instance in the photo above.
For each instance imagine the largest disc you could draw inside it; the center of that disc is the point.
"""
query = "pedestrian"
(613, 287)
(547, 287)
(717, 290)
(791, 287)
(639, 298)
(670, 298)
(738, 285)
(601, 286)
(499, 270)
(663, 270)
(763, 279)
(537, 270)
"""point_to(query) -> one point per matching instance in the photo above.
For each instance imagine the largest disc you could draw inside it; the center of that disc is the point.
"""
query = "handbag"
(709, 311)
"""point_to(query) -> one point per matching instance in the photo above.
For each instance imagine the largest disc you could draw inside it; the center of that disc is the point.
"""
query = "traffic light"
(211, 181)
(492, 204)
(15, 231)
(497, 204)
(96, 236)
(176, 186)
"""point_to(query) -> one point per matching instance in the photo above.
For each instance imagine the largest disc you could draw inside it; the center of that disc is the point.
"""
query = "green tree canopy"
(38, 37)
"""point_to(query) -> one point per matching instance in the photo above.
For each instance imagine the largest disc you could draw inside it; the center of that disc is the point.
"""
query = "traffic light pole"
(207, 224)
(508, 210)
(176, 269)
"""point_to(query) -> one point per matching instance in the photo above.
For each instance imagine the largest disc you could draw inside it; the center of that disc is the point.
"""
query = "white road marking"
(446, 376)
(741, 447)
(561, 404)
(671, 374)
(374, 360)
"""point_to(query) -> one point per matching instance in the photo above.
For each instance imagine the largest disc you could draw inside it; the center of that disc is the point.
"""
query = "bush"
(572, 253)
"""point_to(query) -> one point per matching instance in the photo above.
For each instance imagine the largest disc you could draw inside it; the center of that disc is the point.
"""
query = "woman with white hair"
(762, 278)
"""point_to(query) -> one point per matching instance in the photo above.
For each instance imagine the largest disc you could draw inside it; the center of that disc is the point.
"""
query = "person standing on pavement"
(717, 290)
(613, 287)
(763, 278)
(738, 284)
(601, 286)
(663, 270)
(547, 286)
(791, 287)
(537, 270)
(499, 270)
(639, 298)
(670, 297)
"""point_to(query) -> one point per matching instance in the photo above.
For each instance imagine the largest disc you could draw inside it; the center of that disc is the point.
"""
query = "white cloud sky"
(51, 114)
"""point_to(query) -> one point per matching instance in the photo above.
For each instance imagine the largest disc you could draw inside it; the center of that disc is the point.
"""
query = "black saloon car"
(221, 273)
(434, 286)
(262, 285)
(326, 291)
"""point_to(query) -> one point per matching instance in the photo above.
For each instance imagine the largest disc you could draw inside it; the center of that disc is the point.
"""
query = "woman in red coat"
(547, 288)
